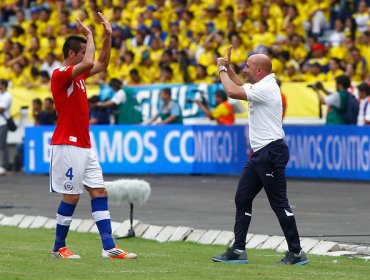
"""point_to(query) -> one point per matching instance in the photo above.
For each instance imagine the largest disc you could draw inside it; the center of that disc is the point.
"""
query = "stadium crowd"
(162, 41)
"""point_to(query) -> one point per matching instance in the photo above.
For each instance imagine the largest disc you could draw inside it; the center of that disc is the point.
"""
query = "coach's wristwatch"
(222, 68)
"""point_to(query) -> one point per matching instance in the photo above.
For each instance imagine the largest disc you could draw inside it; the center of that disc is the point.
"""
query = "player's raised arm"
(87, 62)
(103, 61)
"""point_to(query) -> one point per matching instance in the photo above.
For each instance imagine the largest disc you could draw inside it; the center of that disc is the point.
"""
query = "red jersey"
(71, 104)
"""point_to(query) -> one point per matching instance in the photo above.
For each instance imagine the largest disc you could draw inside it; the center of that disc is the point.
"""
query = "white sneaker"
(117, 253)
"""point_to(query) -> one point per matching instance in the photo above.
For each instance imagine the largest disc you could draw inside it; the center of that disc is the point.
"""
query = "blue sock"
(100, 213)
(64, 219)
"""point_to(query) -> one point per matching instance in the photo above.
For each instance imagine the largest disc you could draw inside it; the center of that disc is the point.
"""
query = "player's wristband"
(222, 68)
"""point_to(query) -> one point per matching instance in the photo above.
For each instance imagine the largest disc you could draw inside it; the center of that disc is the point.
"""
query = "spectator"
(44, 78)
(21, 19)
(36, 108)
(349, 70)
(317, 54)
(362, 16)
(128, 64)
(34, 46)
(155, 50)
(170, 111)
(119, 34)
(139, 43)
(17, 53)
(156, 32)
(129, 111)
(207, 54)
(223, 113)
(5, 105)
(19, 77)
(337, 37)
(53, 48)
(337, 102)
(292, 73)
(49, 115)
(44, 21)
(17, 33)
(334, 70)
(350, 28)
(201, 75)
(148, 69)
(364, 112)
(166, 75)
(359, 65)
(98, 115)
(135, 78)
(317, 20)
(50, 64)
(313, 73)
(264, 38)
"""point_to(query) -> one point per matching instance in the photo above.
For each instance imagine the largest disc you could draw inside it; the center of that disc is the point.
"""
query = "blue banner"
(332, 152)
(167, 149)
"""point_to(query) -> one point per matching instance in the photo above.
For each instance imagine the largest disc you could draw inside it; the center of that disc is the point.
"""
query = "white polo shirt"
(119, 97)
(265, 112)
(5, 103)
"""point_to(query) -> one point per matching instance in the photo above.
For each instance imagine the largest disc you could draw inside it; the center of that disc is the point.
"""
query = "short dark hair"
(166, 91)
(115, 83)
(134, 71)
(49, 99)
(222, 94)
(365, 88)
(344, 81)
(4, 82)
(37, 101)
(73, 43)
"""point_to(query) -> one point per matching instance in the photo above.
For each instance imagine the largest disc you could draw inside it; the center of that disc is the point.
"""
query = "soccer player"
(266, 166)
(74, 163)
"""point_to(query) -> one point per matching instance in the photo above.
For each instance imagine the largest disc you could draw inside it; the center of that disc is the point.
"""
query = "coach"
(270, 154)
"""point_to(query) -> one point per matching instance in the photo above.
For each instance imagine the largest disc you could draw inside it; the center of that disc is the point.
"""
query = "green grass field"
(24, 254)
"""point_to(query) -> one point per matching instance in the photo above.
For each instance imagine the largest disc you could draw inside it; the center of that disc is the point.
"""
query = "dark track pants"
(266, 168)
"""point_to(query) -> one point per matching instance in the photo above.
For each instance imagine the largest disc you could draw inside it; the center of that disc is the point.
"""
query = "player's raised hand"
(106, 24)
(228, 55)
(82, 28)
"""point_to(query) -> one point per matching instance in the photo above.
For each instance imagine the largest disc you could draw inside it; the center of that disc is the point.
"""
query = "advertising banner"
(166, 149)
(332, 152)
(328, 152)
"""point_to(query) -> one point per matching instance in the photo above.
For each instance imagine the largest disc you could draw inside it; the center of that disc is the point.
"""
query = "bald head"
(257, 67)
(263, 61)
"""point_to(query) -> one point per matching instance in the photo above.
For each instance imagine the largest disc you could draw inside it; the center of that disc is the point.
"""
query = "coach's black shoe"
(294, 259)
(232, 256)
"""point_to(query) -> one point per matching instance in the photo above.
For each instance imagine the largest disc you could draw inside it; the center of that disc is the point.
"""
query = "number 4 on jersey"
(70, 173)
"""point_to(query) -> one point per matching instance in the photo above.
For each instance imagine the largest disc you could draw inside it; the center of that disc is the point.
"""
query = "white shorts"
(72, 168)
